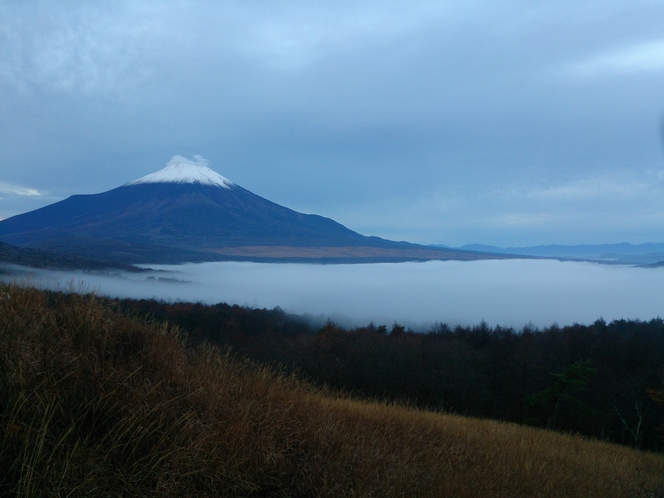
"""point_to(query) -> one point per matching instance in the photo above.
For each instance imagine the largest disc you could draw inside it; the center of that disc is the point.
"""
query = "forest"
(602, 380)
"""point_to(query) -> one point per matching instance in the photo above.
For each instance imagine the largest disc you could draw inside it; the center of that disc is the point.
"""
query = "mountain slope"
(183, 214)
(37, 258)
(187, 212)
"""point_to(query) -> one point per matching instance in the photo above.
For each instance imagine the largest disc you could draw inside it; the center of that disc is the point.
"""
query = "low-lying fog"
(507, 292)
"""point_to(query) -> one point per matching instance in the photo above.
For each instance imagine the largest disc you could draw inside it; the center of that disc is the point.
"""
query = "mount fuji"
(187, 212)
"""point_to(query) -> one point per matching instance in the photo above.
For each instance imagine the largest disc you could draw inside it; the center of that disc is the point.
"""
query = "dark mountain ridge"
(184, 214)
(194, 214)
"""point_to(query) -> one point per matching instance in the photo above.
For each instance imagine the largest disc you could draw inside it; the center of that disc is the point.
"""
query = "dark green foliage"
(589, 379)
(563, 390)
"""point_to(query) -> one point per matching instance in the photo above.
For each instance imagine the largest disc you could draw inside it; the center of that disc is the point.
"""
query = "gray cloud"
(475, 122)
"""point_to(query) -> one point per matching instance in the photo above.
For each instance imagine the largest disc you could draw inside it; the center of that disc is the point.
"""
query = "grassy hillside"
(597, 380)
(99, 404)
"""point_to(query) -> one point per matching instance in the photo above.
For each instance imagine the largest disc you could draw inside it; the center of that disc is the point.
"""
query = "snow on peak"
(183, 170)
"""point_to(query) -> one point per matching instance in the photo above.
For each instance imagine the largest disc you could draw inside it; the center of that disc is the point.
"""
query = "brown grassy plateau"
(356, 254)
(97, 403)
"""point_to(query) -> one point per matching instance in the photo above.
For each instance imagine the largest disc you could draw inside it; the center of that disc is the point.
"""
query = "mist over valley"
(199, 237)
(501, 292)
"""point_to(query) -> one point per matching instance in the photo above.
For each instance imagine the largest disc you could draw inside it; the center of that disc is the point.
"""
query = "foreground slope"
(188, 212)
(97, 403)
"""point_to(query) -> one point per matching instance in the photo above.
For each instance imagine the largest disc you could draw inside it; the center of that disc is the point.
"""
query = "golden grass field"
(97, 403)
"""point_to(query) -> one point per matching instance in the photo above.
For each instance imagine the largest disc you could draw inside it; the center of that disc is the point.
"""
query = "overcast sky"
(505, 123)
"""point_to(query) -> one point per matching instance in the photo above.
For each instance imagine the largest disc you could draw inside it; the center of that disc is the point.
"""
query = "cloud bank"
(506, 292)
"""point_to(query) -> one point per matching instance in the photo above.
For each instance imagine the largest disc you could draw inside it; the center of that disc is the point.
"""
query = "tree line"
(602, 380)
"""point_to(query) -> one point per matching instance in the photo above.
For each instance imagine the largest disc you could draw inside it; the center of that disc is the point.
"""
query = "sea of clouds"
(504, 292)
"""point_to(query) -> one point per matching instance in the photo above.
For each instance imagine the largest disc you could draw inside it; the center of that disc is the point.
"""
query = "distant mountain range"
(623, 253)
(187, 212)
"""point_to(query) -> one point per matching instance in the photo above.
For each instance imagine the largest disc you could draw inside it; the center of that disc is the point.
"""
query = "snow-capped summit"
(179, 215)
(182, 170)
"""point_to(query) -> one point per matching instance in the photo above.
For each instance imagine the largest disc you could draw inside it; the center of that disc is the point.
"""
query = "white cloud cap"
(182, 170)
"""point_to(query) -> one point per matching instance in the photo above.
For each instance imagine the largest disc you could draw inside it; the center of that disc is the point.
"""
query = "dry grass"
(94, 403)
